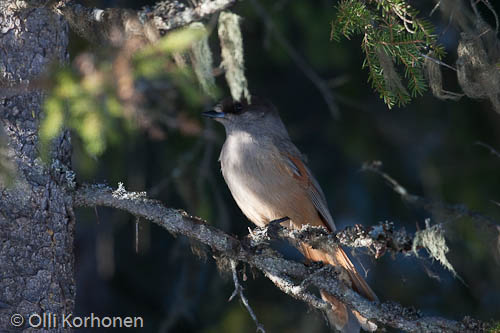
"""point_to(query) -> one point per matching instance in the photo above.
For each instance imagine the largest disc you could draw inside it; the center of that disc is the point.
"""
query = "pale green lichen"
(201, 59)
(232, 55)
(432, 239)
(122, 194)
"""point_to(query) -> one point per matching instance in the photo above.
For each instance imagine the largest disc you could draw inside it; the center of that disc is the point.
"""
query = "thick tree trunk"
(36, 213)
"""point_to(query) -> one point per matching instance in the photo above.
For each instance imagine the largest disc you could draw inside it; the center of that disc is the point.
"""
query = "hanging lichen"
(232, 55)
(477, 70)
(432, 239)
(201, 59)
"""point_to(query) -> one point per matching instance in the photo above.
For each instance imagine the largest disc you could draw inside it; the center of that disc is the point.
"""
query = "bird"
(269, 179)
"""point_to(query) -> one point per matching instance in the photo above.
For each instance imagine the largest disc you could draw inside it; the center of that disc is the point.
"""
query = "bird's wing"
(338, 257)
(302, 173)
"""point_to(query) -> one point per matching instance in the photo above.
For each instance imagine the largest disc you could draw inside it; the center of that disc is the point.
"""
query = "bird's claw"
(274, 225)
(279, 221)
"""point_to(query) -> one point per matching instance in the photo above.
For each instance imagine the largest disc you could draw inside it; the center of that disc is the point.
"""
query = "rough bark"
(36, 213)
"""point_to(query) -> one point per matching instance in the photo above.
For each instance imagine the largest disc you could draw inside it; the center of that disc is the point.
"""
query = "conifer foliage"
(395, 43)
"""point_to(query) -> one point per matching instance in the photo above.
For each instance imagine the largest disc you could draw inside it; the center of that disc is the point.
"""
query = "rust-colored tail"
(341, 317)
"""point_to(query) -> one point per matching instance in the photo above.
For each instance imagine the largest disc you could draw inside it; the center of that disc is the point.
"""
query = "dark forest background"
(429, 146)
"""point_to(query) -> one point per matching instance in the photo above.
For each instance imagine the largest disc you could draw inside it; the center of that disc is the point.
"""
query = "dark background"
(428, 146)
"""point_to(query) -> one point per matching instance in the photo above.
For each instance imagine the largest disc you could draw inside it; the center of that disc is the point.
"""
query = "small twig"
(473, 4)
(435, 8)
(97, 215)
(320, 84)
(183, 161)
(492, 10)
(137, 234)
(490, 7)
(451, 211)
(375, 166)
(439, 62)
(492, 150)
(238, 291)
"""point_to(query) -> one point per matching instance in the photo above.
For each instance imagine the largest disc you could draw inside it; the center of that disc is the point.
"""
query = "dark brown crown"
(228, 105)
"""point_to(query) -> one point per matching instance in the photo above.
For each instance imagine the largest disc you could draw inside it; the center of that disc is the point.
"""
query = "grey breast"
(247, 167)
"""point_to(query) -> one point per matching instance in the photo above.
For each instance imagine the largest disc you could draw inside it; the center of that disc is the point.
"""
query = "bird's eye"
(238, 108)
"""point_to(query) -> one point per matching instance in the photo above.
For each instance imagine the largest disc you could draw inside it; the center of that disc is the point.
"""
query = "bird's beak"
(213, 114)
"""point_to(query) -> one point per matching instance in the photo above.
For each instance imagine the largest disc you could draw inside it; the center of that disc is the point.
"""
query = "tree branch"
(116, 24)
(378, 239)
(291, 277)
(238, 291)
(450, 211)
(170, 15)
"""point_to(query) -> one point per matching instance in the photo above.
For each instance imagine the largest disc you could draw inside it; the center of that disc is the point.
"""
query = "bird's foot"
(274, 226)
(279, 221)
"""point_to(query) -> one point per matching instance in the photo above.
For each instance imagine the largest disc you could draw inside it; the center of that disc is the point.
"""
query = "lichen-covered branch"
(289, 276)
(175, 221)
(114, 24)
(378, 239)
(170, 15)
(450, 211)
(108, 25)
(432, 237)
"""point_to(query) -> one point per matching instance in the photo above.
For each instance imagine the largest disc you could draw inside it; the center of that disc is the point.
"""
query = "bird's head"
(258, 116)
